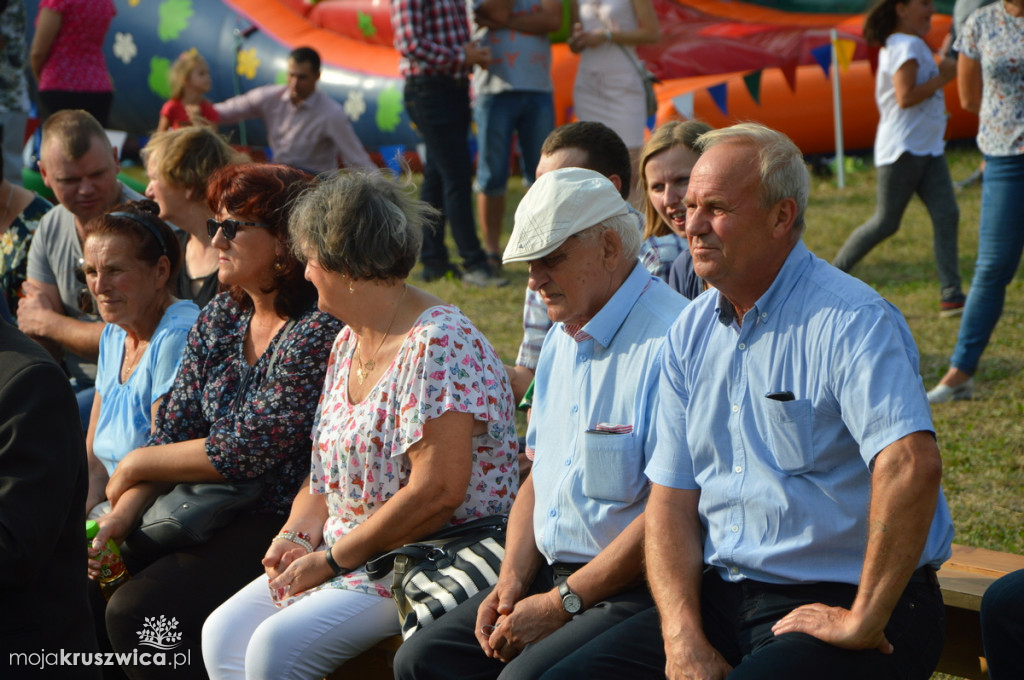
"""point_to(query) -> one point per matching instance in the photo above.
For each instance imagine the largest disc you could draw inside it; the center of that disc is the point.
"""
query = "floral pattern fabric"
(14, 249)
(359, 462)
(76, 62)
(255, 421)
(996, 39)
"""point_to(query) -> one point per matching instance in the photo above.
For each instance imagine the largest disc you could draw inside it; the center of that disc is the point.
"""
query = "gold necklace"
(365, 368)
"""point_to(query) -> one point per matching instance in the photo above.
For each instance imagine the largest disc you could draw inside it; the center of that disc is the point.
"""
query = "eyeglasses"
(86, 302)
(229, 227)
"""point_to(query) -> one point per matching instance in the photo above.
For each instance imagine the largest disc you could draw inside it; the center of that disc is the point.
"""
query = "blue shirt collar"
(796, 264)
(606, 323)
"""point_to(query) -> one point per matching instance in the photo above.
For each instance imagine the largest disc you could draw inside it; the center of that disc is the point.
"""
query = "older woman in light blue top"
(131, 260)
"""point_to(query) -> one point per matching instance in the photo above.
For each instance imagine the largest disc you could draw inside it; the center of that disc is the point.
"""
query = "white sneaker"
(940, 394)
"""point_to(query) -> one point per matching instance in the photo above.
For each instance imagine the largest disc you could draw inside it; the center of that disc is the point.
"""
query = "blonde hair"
(182, 67)
(668, 136)
(186, 157)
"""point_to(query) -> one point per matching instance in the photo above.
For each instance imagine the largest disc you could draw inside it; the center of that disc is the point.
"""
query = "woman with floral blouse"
(241, 408)
(18, 221)
(414, 432)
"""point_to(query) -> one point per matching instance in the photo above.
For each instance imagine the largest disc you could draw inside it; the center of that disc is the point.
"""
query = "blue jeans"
(928, 177)
(1000, 242)
(439, 108)
(498, 117)
(1002, 623)
(738, 619)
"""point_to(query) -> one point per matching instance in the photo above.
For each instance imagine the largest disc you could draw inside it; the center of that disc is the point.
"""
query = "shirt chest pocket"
(612, 467)
(790, 434)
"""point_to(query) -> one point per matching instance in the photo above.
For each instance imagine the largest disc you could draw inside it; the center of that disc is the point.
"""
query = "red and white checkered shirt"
(429, 34)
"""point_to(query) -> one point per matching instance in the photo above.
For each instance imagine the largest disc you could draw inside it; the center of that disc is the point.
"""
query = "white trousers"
(250, 637)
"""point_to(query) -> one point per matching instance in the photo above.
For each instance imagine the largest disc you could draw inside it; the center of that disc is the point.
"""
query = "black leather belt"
(564, 569)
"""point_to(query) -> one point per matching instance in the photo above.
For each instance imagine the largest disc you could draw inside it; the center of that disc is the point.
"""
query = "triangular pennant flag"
(823, 55)
(789, 72)
(684, 105)
(844, 52)
(720, 94)
(753, 82)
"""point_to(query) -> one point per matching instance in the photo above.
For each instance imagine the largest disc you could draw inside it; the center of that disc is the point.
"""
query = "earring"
(350, 288)
(278, 266)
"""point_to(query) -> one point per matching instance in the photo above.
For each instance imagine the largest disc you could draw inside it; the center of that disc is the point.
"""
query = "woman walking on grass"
(909, 146)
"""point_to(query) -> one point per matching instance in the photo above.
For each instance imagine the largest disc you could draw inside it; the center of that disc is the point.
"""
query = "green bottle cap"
(91, 529)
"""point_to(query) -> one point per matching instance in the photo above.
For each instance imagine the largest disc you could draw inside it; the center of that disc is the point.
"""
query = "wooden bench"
(964, 578)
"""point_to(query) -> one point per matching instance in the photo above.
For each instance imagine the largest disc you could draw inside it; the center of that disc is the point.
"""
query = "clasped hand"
(296, 571)
(505, 624)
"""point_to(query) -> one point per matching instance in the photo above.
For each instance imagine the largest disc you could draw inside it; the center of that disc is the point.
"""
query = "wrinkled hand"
(692, 657)
(280, 555)
(122, 479)
(112, 525)
(498, 604)
(833, 625)
(35, 311)
(532, 619)
(301, 574)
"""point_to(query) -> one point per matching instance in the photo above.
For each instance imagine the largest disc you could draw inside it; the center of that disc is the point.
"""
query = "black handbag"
(189, 514)
(436, 574)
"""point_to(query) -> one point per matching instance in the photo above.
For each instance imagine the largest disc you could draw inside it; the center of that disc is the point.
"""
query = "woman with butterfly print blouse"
(415, 432)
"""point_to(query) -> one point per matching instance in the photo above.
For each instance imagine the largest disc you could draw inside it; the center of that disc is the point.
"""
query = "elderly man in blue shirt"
(572, 566)
(795, 522)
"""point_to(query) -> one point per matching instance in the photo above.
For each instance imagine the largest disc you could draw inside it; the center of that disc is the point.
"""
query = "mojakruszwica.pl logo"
(157, 632)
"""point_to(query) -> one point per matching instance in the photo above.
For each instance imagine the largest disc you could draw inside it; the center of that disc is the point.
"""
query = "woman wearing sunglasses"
(241, 408)
(130, 259)
(415, 432)
(179, 164)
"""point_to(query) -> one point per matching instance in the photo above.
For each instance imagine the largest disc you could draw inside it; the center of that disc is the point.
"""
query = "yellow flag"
(844, 52)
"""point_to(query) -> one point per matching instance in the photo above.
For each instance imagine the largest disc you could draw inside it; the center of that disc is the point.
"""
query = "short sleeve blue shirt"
(591, 387)
(126, 408)
(785, 484)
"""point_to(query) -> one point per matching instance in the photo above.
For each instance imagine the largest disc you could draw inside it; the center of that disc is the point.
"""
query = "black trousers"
(185, 587)
(738, 619)
(448, 648)
(96, 103)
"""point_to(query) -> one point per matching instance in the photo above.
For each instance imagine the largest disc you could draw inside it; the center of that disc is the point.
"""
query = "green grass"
(982, 441)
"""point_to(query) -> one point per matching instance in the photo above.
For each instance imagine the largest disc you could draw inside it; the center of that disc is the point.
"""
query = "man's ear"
(617, 181)
(611, 249)
(784, 218)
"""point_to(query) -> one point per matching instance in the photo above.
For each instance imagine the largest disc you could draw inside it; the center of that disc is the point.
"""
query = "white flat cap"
(559, 204)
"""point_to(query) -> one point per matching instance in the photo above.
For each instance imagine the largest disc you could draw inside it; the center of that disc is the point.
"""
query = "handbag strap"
(381, 566)
(643, 71)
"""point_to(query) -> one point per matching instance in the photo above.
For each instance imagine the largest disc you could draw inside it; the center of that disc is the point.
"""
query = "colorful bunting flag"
(719, 93)
(684, 105)
(844, 52)
(753, 82)
(823, 55)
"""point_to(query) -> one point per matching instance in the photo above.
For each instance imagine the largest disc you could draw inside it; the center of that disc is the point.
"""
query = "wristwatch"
(571, 602)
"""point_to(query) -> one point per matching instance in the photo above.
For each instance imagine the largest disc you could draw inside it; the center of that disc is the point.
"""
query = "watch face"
(572, 603)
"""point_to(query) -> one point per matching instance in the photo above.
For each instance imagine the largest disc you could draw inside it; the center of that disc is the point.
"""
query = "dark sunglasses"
(229, 227)
(86, 302)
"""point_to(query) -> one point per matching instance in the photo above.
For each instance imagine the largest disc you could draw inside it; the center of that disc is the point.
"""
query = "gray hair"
(364, 225)
(781, 164)
(626, 226)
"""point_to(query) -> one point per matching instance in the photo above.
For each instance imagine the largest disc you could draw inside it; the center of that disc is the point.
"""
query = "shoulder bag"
(438, 573)
(647, 78)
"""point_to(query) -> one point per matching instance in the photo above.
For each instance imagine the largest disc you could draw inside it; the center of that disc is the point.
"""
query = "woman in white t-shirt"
(909, 142)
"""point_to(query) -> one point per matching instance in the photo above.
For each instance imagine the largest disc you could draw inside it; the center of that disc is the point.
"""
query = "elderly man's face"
(728, 231)
(86, 186)
(574, 280)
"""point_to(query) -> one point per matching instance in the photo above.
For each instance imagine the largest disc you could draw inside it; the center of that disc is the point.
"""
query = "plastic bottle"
(112, 570)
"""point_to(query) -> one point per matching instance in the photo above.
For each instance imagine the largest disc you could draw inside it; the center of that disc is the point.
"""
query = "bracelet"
(608, 34)
(298, 538)
(333, 564)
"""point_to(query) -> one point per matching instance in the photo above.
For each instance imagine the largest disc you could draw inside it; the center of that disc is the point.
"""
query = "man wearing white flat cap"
(575, 531)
